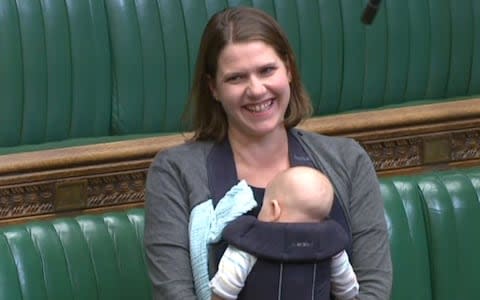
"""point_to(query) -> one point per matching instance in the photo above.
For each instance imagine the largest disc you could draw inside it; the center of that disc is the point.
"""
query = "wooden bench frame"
(109, 176)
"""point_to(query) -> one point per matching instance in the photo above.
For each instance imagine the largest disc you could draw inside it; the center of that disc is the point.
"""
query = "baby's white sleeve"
(343, 279)
(233, 269)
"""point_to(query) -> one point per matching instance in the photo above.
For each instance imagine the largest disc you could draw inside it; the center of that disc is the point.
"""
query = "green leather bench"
(94, 71)
(433, 222)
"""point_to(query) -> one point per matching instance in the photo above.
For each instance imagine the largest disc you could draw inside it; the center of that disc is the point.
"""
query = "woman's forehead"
(237, 56)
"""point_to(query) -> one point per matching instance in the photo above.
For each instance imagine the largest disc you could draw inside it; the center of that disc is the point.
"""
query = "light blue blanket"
(206, 226)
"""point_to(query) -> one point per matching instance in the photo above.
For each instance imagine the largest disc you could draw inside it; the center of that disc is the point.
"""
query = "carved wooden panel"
(101, 191)
(26, 200)
(425, 151)
(401, 153)
(116, 189)
(466, 145)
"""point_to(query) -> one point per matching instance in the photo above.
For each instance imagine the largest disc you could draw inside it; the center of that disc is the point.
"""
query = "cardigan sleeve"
(166, 232)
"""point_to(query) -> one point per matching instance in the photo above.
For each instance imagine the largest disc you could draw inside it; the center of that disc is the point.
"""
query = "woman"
(246, 100)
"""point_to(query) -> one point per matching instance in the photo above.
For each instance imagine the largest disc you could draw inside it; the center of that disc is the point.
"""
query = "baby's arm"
(343, 278)
(215, 297)
(233, 269)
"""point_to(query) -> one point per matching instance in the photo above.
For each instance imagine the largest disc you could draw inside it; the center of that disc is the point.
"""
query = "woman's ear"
(212, 86)
(289, 73)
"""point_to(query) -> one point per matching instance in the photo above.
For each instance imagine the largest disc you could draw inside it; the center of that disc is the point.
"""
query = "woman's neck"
(259, 159)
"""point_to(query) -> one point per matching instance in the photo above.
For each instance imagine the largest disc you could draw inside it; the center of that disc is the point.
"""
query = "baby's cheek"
(262, 215)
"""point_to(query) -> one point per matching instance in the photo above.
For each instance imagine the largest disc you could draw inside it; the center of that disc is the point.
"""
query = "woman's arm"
(352, 172)
(371, 247)
(166, 232)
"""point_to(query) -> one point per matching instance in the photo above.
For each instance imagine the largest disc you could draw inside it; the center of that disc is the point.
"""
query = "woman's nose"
(256, 87)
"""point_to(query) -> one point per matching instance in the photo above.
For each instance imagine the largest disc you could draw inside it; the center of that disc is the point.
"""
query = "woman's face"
(253, 85)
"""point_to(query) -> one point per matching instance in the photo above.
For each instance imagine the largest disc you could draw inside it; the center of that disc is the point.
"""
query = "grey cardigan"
(177, 181)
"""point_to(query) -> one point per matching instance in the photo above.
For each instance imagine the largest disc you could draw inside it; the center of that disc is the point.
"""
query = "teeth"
(259, 107)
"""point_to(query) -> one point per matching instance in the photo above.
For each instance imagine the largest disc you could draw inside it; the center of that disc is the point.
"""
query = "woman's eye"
(234, 78)
(268, 70)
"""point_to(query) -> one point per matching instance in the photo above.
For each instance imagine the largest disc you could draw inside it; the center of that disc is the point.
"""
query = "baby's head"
(298, 194)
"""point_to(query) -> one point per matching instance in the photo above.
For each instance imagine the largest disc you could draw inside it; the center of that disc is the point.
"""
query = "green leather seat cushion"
(87, 257)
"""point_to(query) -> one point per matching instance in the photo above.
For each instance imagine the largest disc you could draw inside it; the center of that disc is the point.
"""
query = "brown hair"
(239, 24)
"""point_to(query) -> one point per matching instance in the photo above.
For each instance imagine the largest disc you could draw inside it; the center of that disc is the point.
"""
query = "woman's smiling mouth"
(260, 107)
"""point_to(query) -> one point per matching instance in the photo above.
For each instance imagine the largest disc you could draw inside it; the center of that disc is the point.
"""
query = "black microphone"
(370, 11)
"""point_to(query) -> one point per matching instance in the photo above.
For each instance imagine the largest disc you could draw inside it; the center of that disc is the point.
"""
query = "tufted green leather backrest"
(55, 71)
(92, 68)
(408, 239)
(405, 56)
(433, 222)
(88, 257)
(453, 218)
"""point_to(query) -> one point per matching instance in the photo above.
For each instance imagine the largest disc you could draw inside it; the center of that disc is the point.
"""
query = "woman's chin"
(265, 130)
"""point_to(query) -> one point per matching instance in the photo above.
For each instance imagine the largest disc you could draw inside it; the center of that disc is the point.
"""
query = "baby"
(293, 250)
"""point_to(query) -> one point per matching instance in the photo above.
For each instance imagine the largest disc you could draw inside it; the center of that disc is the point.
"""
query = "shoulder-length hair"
(205, 115)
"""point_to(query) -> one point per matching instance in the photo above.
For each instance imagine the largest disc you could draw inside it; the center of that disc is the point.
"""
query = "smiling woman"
(247, 97)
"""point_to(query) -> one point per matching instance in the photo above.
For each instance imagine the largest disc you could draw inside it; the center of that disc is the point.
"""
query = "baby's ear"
(276, 210)
(270, 211)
